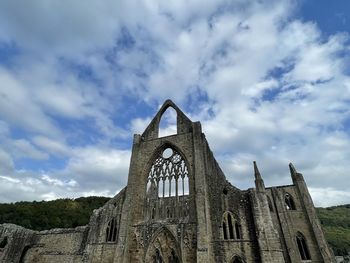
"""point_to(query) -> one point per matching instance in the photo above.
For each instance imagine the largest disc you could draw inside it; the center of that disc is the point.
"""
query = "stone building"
(179, 207)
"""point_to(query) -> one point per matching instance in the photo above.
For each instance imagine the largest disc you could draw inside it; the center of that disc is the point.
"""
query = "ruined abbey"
(179, 207)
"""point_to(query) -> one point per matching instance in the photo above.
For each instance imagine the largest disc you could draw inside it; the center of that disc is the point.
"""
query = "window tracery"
(111, 231)
(168, 175)
(231, 227)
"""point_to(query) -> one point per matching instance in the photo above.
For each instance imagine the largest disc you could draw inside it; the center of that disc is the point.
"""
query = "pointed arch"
(164, 247)
(112, 230)
(230, 227)
(183, 123)
(168, 122)
(289, 202)
(302, 246)
(237, 259)
(168, 170)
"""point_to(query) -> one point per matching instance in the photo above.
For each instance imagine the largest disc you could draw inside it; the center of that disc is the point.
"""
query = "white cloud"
(52, 146)
(266, 87)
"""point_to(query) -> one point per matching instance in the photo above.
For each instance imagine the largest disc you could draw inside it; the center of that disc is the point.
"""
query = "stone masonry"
(179, 207)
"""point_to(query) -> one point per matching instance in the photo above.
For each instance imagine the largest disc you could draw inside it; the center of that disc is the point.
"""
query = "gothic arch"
(302, 246)
(163, 248)
(158, 154)
(164, 121)
(237, 259)
(289, 202)
(183, 123)
(231, 228)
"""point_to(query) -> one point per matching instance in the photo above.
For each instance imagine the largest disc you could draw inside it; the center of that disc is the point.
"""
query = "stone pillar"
(204, 250)
(308, 205)
(268, 239)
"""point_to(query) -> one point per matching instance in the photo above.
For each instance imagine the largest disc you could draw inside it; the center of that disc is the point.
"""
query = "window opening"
(157, 258)
(170, 172)
(3, 242)
(302, 247)
(230, 226)
(168, 122)
(225, 230)
(173, 258)
(111, 231)
(269, 203)
(289, 202)
(237, 259)
(238, 231)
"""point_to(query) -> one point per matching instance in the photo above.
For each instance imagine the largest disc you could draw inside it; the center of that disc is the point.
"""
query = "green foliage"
(65, 213)
(60, 213)
(336, 225)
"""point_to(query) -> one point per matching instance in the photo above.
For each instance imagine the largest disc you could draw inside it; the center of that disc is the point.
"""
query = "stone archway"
(163, 249)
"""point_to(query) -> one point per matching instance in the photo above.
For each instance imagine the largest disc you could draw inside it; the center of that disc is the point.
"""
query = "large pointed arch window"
(168, 175)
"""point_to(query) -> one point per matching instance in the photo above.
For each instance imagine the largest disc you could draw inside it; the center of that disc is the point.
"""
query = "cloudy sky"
(269, 81)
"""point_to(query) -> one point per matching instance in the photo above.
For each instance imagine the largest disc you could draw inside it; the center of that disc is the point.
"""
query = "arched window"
(168, 175)
(237, 259)
(302, 247)
(269, 203)
(3, 242)
(290, 205)
(111, 231)
(168, 122)
(230, 227)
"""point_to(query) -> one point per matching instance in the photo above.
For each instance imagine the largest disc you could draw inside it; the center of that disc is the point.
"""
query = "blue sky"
(269, 81)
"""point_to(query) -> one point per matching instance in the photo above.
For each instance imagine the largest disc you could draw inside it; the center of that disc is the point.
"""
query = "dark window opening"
(157, 258)
(3, 242)
(270, 204)
(237, 259)
(111, 231)
(173, 258)
(238, 231)
(289, 202)
(224, 229)
(303, 250)
(230, 226)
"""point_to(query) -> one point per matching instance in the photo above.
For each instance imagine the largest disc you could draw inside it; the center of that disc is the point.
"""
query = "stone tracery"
(168, 174)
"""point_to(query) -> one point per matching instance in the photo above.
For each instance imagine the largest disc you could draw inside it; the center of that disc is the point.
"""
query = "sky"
(268, 80)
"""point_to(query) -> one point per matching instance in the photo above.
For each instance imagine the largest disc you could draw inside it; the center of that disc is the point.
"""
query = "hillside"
(65, 213)
(336, 225)
(60, 213)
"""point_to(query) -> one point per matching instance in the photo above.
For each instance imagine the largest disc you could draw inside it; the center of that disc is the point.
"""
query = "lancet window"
(302, 247)
(270, 204)
(230, 227)
(111, 231)
(290, 205)
(168, 175)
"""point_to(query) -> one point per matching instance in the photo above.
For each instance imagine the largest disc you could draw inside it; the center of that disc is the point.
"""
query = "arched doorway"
(163, 248)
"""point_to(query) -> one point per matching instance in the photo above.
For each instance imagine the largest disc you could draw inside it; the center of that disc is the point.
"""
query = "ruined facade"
(179, 207)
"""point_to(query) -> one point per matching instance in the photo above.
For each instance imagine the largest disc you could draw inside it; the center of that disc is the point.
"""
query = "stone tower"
(179, 207)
